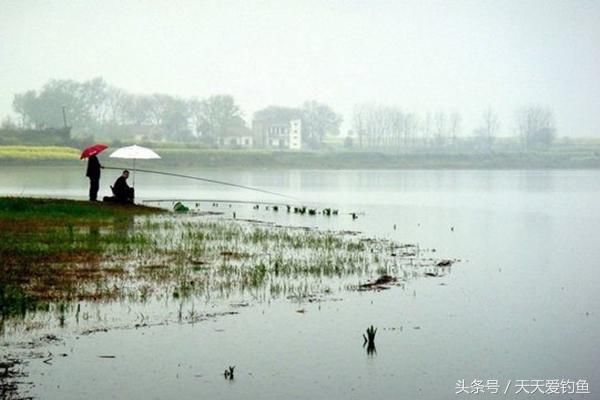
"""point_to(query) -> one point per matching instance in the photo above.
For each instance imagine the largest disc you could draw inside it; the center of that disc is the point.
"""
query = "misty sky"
(422, 55)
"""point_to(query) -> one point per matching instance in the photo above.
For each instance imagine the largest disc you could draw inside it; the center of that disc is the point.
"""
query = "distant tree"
(83, 103)
(175, 119)
(93, 96)
(382, 126)
(25, 105)
(359, 123)
(8, 123)
(195, 112)
(427, 127)
(348, 142)
(318, 121)
(487, 131)
(441, 128)
(168, 115)
(367, 123)
(455, 126)
(116, 103)
(159, 115)
(158, 105)
(47, 111)
(536, 126)
(136, 109)
(215, 116)
(394, 126)
(57, 94)
(277, 114)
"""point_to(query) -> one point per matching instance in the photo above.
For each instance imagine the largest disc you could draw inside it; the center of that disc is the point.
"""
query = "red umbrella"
(93, 150)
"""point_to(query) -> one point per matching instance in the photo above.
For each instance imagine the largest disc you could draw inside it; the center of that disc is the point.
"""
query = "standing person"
(93, 172)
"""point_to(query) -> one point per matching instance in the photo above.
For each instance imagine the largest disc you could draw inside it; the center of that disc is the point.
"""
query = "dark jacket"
(121, 189)
(93, 168)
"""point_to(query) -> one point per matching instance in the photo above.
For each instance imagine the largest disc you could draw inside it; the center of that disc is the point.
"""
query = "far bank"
(553, 158)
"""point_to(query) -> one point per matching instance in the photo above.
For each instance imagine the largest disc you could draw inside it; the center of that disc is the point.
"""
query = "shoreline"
(326, 160)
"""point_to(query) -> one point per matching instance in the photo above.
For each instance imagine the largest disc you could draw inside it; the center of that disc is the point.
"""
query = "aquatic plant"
(369, 337)
(228, 374)
(369, 340)
(142, 258)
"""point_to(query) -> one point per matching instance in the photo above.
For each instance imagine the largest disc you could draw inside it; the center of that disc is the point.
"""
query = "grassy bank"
(40, 210)
(57, 253)
(558, 157)
(44, 241)
(25, 154)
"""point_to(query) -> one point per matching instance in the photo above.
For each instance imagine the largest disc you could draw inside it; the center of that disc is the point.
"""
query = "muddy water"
(523, 304)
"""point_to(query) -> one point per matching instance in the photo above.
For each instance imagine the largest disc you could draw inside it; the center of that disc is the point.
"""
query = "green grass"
(37, 153)
(38, 209)
(45, 245)
(575, 154)
(57, 251)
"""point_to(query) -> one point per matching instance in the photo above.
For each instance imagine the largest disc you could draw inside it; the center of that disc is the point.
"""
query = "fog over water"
(424, 56)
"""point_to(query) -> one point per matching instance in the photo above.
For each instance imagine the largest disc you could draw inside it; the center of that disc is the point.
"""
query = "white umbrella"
(134, 152)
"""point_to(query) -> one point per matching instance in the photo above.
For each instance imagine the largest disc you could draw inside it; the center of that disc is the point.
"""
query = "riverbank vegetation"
(25, 154)
(574, 155)
(58, 254)
(43, 243)
(68, 112)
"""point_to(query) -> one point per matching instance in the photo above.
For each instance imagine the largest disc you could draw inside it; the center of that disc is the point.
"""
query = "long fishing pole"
(206, 180)
(223, 201)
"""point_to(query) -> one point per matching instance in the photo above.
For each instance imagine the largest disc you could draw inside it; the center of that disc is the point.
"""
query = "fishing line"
(205, 180)
(220, 201)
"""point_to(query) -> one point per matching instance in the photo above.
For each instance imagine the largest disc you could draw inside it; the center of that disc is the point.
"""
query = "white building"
(295, 141)
(280, 134)
(236, 141)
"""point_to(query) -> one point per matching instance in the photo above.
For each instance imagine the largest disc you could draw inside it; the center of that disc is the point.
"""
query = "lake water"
(522, 304)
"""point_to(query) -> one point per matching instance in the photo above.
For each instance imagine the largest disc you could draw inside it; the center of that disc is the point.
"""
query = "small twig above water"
(228, 374)
(369, 340)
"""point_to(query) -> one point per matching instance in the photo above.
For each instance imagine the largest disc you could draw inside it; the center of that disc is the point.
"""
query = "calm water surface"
(522, 304)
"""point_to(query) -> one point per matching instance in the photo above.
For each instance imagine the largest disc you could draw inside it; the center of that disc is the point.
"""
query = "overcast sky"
(422, 56)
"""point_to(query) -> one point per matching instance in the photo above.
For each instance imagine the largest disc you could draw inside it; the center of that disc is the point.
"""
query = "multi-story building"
(295, 134)
(283, 134)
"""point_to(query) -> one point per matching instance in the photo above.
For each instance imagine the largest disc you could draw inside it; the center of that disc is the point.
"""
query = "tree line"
(381, 126)
(96, 108)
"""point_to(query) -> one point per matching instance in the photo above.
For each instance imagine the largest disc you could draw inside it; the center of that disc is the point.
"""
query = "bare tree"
(426, 127)
(411, 124)
(319, 120)
(441, 127)
(536, 126)
(359, 123)
(381, 126)
(455, 126)
(490, 124)
(116, 101)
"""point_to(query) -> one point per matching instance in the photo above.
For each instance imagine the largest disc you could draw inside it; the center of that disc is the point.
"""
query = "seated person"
(121, 190)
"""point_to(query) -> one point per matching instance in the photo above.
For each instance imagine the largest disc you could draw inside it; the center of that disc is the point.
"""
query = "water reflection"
(371, 349)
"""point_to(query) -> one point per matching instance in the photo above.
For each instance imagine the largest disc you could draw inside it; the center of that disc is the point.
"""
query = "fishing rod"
(222, 201)
(205, 180)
